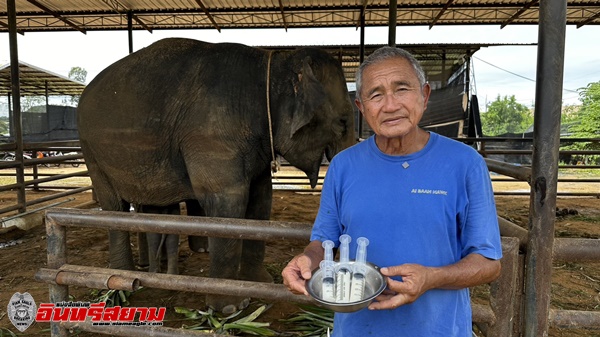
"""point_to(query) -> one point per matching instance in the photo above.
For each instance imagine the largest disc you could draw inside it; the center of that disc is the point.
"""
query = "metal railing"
(497, 317)
(289, 178)
(33, 180)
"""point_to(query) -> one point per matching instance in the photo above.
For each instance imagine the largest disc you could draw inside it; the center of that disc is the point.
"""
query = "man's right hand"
(296, 273)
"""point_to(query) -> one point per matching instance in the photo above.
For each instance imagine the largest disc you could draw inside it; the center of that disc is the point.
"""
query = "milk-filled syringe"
(343, 272)
(327, 265)
(359, 270)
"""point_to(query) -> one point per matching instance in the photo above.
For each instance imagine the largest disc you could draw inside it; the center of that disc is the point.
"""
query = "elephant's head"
(319, 118)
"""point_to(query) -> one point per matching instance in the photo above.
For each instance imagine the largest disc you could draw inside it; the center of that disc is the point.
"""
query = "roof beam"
(588, 20)
(283, 15)
(440, 13)
(116, 5)
(363, 10)
(56, 15)
(210, 17)
(519, 12)
(5, 25)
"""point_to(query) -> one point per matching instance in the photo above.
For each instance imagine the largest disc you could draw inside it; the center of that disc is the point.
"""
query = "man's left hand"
(415, 281)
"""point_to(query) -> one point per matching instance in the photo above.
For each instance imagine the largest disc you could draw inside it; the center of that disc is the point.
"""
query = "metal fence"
(28, 178)
(496, 317)
(501, 318)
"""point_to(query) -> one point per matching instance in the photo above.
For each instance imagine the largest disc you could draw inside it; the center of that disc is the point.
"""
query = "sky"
(497, 71)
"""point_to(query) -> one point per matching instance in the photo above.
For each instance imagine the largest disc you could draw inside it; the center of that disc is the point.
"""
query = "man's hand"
(296, 273)
(300, 268)
(470, 271)
(415, 281)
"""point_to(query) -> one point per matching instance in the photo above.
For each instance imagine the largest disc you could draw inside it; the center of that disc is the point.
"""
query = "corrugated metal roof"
(88, 15)
(36, 81)
(439, 61)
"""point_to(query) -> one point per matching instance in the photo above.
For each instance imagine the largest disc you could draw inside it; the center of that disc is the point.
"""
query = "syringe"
(359, 269)
(328, 271)
(343, 272)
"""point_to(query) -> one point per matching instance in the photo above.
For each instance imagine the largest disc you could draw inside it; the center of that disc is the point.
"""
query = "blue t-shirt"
(432, 207)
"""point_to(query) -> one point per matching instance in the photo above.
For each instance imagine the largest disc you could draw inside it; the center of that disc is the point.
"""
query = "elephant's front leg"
(252, 266)
(225, 255)
(198, 244)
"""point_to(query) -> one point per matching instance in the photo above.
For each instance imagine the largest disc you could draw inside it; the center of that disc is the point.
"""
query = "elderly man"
(424, 202)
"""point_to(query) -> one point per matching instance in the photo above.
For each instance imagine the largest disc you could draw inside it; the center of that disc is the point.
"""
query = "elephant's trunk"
(313, 175)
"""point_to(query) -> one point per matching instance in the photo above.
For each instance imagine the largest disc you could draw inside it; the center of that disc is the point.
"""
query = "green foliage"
(33, 104)
(112, 297)
(505, 115)
(4, 124)
(586, 121)
(6, 332)
(77, 74)
(311, 322)
(212, 322)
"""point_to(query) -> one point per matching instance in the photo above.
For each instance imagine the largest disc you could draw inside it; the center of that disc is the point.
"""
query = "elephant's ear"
(310, 94)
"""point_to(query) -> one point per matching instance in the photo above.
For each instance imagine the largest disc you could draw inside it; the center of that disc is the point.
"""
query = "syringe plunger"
(361, 252)
(328, 246)
(345, 248)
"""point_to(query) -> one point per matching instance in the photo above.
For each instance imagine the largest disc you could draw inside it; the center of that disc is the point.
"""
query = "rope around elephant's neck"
(274, 162)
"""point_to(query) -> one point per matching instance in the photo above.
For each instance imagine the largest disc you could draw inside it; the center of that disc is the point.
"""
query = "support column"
(546, 141)
(16, 95)
(361, 58)
(392, 23)
(130, 30)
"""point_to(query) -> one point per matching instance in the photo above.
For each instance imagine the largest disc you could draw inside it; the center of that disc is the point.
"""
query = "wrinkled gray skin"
(184, 120)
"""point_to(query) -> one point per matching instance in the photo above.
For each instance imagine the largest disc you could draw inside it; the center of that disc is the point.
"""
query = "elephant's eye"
(343, 123)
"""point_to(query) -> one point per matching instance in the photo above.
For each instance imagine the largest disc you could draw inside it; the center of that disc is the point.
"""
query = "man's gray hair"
(386, 53)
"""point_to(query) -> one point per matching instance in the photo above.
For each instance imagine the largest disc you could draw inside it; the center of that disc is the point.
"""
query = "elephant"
(189, 121)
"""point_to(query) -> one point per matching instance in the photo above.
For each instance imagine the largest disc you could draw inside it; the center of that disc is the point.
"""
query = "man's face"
(393, 101)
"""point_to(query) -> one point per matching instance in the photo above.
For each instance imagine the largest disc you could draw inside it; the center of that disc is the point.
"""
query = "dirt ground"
(575, 286)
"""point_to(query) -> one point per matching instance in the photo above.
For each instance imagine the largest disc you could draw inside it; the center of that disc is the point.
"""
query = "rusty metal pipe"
(503, 290)
(135, 331)
(570, 319)
(270, 291)
(576, 250)
(183, 225)
(89, 280)
(56, 238)
(518, 172)
(510, 229)
(482, 314)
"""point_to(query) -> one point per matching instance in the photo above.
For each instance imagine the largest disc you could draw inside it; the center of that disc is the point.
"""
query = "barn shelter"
(21, 16)
(48, 122)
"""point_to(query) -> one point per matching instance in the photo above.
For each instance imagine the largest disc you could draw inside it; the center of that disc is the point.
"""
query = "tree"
(77, 74)
(505, 115)
(4, 125)
(585, 122)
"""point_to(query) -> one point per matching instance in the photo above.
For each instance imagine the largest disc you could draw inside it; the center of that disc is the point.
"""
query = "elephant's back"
(135, 115)
(172, 81)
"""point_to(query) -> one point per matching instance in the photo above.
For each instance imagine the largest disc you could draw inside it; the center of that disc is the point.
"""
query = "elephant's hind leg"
(119, 246)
